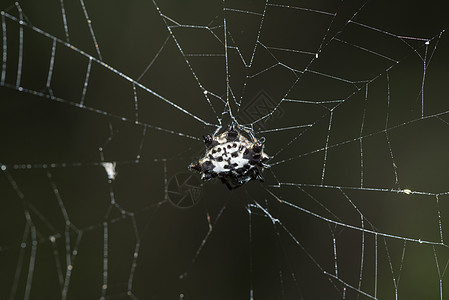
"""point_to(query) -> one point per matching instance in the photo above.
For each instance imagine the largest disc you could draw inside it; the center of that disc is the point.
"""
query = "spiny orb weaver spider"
(232, 158)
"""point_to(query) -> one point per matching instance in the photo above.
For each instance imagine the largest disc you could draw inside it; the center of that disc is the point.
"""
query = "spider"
(232, 158)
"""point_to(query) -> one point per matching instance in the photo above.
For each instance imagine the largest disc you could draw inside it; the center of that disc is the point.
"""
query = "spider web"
(103, 106)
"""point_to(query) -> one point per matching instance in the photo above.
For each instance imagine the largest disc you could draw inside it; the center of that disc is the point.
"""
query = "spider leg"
(251, 135)
(257, 175)
(228, 185)
(224, 181)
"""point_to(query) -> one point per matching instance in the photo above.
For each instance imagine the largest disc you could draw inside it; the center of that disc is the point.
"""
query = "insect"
(232, 158)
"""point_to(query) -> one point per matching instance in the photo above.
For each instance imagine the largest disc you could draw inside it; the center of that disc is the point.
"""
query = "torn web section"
(63, 153)
(75, 146)
(82, 217)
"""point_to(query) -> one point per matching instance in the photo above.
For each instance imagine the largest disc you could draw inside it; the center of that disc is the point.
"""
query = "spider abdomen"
(232, 158)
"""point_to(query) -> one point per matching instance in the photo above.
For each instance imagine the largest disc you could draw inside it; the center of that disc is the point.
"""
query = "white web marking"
(86, 81)
(326, 146)
(91, 29)
(64, 21)
(19, 60)
(5, 51)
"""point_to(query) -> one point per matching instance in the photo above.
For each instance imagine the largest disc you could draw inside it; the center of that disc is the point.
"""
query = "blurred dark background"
(58, 207)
